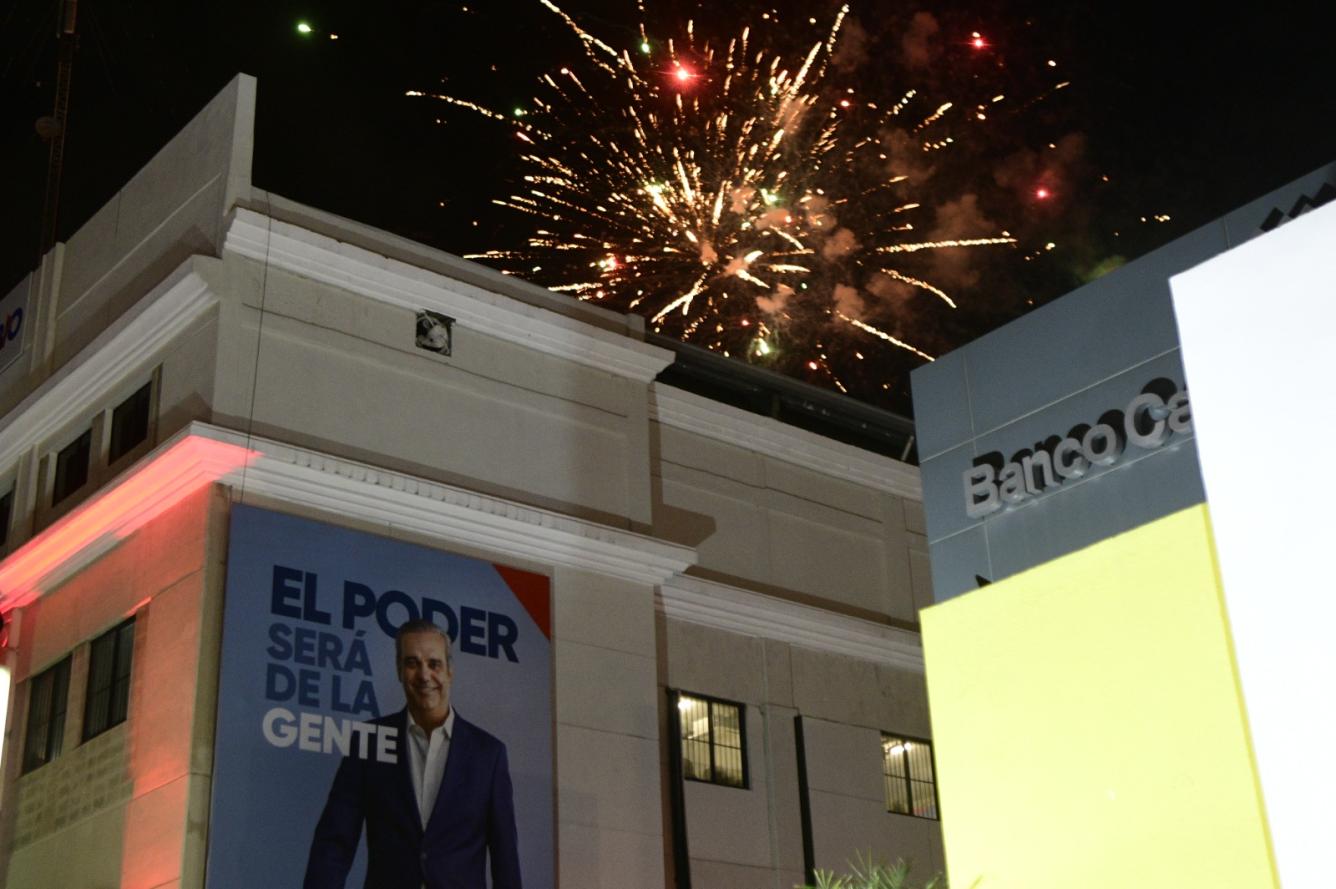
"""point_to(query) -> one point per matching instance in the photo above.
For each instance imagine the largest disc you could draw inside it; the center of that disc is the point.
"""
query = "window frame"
(144, 398)
(148, 393)
(53, 743)
(116, 635)
(711, 741)
(62, 462)
(8, 495)
(909, 779)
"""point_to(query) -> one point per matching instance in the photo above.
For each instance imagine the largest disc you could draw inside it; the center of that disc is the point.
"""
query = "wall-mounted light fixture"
(434, 331)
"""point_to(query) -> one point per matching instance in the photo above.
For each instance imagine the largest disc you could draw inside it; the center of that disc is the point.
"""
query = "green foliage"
(868, 874)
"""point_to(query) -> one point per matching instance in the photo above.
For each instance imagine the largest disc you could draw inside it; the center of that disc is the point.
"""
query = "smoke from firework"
(747, 199)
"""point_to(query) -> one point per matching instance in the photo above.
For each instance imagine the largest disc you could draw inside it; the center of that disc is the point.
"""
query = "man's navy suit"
(474, 815)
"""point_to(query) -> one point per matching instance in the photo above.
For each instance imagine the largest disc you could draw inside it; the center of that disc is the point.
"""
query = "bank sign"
(13, 309)
(1148, 422)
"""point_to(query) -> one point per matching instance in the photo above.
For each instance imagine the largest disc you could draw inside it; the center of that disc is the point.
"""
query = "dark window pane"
(97, 711)
(129, 423)
(6, 514)
(72, 467)
(55, 741)
(109, 664)
(101, 660)
(39, 720)
(44, 736)
(125, 646)
(120, 689)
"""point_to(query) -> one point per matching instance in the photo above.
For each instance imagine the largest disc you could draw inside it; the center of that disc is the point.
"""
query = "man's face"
(425, 674)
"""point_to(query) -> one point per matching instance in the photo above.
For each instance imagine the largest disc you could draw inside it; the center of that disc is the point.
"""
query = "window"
(109, 679)
(47, 695)
(72, 467)
(6, 515)
(713, 740)
(129, 423)
(907, 766)
(113, 436)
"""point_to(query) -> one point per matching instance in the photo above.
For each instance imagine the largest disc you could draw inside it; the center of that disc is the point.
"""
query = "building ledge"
(694, 413)
(722, 607)
(322, 258)
(201, 454)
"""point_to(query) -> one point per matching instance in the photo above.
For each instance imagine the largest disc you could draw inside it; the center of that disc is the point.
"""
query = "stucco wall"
(772, 524)
(745, 837)
(129, 806)
(322, 367)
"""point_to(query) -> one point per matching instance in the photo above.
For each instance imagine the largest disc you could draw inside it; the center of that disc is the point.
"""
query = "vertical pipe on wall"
(676, 797)
(804, 803)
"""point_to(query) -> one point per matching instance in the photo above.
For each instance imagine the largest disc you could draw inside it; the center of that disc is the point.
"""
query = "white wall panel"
(1258, 328)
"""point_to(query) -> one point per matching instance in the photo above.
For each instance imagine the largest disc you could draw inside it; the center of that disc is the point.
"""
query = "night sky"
(1188, 116)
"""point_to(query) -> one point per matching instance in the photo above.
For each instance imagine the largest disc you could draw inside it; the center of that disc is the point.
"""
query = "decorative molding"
(78, 388)
(693, 413)
(742, 611)
(350, 489)
(201, 453)
(153, 485)
(303, 252)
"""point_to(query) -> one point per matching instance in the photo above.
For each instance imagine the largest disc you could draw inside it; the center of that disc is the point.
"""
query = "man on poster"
(437, 812)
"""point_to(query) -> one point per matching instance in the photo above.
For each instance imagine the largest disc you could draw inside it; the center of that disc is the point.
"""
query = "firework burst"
(735, 197)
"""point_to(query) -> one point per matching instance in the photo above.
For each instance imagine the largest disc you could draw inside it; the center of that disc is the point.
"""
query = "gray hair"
(419, 625)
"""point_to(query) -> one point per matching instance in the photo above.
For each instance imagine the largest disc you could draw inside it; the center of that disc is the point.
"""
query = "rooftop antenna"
(53, 128)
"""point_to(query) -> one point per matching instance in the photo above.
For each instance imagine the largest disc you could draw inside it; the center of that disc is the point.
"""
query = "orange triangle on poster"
(533, 592)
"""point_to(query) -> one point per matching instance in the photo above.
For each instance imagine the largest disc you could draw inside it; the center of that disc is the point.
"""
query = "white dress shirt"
(426, 761)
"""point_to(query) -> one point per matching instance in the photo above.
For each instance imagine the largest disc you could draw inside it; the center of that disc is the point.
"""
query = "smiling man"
(437, 813)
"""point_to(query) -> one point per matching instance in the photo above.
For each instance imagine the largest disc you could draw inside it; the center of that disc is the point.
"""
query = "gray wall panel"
(1064, 364)
(947, 390)
(1118, 501)
(945, 515)
(957, 559)
(1087, 336)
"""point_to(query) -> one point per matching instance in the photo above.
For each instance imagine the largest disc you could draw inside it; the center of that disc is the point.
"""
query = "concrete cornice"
(346, 488)
(202, 454)
(129, 345)
(693, 413)
(342, 489)
(154, 484)
(749, 613)
(321, 258)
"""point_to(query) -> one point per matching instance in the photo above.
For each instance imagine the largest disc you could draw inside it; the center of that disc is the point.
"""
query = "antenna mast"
(53, 128)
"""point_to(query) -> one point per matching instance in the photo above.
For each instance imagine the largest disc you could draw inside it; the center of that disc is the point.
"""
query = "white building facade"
(733, 600)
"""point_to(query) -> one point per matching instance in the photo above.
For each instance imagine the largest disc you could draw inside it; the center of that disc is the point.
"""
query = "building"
(732, 691)
(1131, 586)
(1058, 367)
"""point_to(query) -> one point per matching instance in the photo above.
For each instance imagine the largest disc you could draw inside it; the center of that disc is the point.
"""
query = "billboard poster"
(334, 762)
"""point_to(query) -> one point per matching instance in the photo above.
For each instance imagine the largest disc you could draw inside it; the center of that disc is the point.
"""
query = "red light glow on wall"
(150, 489)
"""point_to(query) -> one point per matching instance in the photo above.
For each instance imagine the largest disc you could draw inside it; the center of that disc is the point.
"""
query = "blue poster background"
(286, 607)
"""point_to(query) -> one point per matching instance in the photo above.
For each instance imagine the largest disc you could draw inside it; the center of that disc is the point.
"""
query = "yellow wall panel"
(1088, 726)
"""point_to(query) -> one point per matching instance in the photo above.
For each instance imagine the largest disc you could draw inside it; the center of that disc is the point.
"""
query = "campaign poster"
(309, 691)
